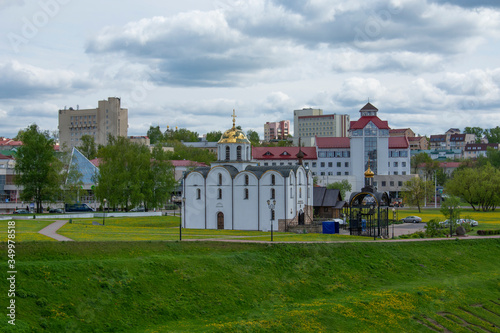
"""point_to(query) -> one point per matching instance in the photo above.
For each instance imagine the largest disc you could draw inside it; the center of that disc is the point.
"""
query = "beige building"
(311, 123)
(108, 118)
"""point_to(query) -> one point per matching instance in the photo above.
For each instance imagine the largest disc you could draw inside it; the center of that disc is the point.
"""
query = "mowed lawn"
(487, 220)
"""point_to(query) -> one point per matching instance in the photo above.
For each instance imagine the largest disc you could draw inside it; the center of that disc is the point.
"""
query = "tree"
(477, 131)
(130, 175)
(493, 157)
(214, 136)
(450, 208)
(416, 190)
(493, 135)
(181, 134)
(253, 137)
(418, 159)
(37, 168)
(88, 147)
(343, 186)
(155, 135)
(182, 152)
(479, 187)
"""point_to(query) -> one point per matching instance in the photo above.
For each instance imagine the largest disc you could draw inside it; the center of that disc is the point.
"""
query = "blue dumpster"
(329, 227)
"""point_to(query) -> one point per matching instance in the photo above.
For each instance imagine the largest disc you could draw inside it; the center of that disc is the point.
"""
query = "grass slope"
(221, 287)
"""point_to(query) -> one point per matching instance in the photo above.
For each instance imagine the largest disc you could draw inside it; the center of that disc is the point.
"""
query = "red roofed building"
(418, 143)
(276, 156)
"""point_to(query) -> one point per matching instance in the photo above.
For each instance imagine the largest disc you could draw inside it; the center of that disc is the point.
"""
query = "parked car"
(473, 223)
(57, 210)
(138, 209)
(411, 219)
(77, 208)
(21, 211)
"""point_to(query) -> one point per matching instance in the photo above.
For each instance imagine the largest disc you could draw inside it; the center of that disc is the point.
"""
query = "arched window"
(245, 194)
(220, 178)
(300, 192)
(273, 193)
(198, 194)
(246, 180)
(238, 153)
(248, 153)
(219, 194)
(273, 180)
(228, 153)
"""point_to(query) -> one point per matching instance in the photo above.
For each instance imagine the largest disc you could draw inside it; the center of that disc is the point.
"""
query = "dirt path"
(51, 231)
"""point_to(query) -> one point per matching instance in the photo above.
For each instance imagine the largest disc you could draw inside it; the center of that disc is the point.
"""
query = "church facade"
(235, 193)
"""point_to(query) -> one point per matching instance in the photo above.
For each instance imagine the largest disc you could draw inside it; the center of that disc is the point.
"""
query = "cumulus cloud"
(22, 80)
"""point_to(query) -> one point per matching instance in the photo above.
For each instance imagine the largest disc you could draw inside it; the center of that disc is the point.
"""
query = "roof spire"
(234, 119)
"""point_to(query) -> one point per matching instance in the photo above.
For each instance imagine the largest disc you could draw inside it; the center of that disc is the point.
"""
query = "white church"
(237, 194)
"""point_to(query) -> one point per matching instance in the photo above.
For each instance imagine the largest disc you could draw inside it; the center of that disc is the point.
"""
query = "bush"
(417, 234)
(488, 232)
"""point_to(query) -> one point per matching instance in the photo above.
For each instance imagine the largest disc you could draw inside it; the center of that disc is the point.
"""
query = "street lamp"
(104, 213)
(271, 206)
(393, 220)
(182, 217)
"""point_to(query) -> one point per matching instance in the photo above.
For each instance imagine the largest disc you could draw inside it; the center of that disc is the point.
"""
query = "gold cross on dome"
(234, 119)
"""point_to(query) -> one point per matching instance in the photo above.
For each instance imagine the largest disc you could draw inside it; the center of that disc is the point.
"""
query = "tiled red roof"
(480, 146)
(4, 157)
(187, 163)
(415, 138)
(96, 162)
(333, 142)
(283, 153)
(363, 121)
(398, 130)
(10, 142)
(398, 142)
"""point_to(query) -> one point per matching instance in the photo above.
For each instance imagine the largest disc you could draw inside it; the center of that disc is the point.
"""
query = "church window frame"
(247, 180)
(273, 193)
(198, 194)
(219, 193)
(245, 194)
(238, 153)
(228, 153)
(220, 179)
(273, 179)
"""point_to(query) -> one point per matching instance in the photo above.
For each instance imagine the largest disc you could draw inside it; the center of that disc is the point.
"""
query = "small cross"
(234, 118)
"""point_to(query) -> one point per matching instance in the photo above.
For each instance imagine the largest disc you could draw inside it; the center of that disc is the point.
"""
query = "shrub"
(488, 232)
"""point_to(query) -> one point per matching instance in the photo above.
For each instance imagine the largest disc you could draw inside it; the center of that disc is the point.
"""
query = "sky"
(429, 65)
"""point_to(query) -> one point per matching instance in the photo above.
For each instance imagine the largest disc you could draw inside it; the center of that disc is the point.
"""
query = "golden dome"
(369, 173)
(233, 135)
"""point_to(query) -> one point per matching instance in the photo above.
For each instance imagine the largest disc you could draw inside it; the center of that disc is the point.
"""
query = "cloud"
(22, 80)
(470, 3)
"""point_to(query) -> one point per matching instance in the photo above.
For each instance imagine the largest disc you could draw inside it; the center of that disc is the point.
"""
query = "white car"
(472, 223)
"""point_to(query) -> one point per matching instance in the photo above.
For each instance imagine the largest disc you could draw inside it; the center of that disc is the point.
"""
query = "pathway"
(51, 231)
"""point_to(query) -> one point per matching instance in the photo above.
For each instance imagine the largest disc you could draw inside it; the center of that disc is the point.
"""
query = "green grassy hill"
(221, 287)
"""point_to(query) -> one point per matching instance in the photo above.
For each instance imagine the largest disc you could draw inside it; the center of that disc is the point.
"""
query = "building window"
(395, 173)
(246, 180)
(322, 164)
(404, 173)
(346, 164)
(266, 164)
(238, 153)
(322, 173)
(300, 192)
(391, 183)
(198, 194)
(339, 173)
(339, 164)
(228, 153)
(273, 193)
(384, 183)
(347, 173)
(219, 194)
(306, 164)
(220, 179)
(330, 164)
(395, 164)
(313, 164)
(325, 209)
(245, 194)
(403, 164)
(273, 180)
(400, 183)
(330, 173)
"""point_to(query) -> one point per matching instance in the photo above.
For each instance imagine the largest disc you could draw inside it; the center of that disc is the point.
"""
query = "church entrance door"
(301, 218)
(220, 220)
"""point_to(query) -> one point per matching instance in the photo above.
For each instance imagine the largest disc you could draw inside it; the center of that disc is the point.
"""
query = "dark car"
(57, 210)
(77, 208)
(21, 211)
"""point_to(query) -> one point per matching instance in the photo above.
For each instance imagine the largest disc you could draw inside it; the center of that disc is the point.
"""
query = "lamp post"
(104, 212)
(182, 217)
(271, 206)
(394, 220)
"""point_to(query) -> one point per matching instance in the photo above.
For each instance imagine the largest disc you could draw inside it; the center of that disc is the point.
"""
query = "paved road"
(51, 231)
